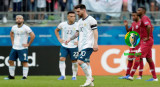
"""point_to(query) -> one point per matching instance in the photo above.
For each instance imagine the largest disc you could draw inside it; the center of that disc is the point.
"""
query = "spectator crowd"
(67, 5)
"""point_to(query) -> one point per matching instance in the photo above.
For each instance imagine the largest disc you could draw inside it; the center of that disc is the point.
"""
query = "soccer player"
(19, 37)
(68, 29)
(146, 44)
(134, 27)
(88, 37)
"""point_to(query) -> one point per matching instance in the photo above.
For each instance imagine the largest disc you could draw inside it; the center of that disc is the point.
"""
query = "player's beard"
(80, 16)
(139, 15)
(19, 23)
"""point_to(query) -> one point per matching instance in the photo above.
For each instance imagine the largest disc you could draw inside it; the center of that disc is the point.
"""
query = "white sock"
(12, 70)
(25, 71)
(62, 67)
(90, 70)
(84, 66)
(74, 69)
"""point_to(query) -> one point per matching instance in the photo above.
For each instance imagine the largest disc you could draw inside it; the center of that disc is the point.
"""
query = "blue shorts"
(73, 52)
(21, 54)
(85, 54)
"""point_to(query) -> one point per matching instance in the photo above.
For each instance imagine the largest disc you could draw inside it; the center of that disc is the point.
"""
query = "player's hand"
(66, 42)
(75, 43)
(145, 39)
(125, 22)
(25, 45)
(61, 41)
(95, 47)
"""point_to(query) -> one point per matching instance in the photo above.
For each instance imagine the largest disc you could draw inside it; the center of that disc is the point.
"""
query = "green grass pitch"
(100, 81)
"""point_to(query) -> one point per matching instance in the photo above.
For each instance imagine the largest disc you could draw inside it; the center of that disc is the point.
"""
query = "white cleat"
(92, 84)
(139, 77)
(130, 78)
(155, 79)
(87, 83)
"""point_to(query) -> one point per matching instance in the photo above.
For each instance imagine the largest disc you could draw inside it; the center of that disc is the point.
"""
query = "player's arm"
(58, 36)
(12, 37)
(126, 26)
(148, 27)
(76, 43)
(32, 36)
(95, 46)
(148, 32)
(73, 37)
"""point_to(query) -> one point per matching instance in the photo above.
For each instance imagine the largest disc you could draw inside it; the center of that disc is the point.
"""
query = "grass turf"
(100, 81)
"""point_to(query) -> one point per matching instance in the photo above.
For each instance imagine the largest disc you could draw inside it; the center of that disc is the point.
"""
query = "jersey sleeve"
(60, 26)
(145, 21)
(93, 24)
(12, 29)
(28, 29)
(77, 28)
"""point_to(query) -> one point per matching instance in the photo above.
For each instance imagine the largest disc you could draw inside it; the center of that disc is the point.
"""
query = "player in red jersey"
(146, 44)
(134, 27)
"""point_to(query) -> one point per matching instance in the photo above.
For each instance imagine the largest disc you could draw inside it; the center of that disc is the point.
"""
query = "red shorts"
(133, 50)
(146, 51)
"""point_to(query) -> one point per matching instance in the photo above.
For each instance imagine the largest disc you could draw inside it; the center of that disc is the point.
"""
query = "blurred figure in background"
(50, 5)
(32, 8)
(29, 6)
(50, 8)
(125, 4)
(17, 4)
(124, 9)
(41, 7)
(62, 4)
(4, 6)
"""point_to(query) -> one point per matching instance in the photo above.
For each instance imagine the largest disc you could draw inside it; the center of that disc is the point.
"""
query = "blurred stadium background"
(44, 15)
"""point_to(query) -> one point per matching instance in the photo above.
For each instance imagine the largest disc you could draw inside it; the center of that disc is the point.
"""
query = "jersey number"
(75, 54)
(83, 53)
(69, 31)
(25, 56)
(81, 29)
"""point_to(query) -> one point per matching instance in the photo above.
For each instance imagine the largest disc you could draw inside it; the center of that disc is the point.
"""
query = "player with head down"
(88, 41)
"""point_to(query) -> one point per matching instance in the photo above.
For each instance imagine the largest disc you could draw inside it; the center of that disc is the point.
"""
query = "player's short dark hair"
(144, 8)
(81, 6)
(134, 12)
(70, 12)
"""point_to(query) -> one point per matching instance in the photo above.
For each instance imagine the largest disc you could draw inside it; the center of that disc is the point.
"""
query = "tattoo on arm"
(75, 36)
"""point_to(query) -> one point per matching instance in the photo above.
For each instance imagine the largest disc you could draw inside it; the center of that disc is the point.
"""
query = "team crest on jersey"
(146, 22)
(85, 24)
(136, 26)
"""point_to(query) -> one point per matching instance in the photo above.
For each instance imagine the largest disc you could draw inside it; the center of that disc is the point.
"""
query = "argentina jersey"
(86, 35)
(20, 36)
(68, 31)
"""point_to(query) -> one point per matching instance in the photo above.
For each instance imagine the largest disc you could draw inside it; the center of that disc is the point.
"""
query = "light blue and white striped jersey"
(67, 31)
(20, 36)
(86, 35)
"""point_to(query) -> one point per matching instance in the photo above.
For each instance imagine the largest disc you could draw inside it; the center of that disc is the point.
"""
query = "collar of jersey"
(70, 24)
(21, 26)
(85, 18)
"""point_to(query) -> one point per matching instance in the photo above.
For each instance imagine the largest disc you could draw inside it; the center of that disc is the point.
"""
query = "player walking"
(19, 37)
(88, 37)
(134, 27)
(68, 29)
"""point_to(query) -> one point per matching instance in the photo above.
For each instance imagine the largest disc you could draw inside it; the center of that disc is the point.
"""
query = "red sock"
(141, 68)
(129, 66)
(136, 64)
(152, 69)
